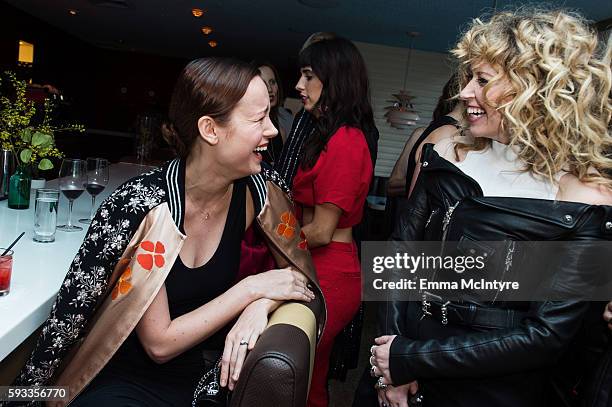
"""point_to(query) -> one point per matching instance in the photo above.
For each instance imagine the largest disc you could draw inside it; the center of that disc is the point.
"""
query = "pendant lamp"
(402, 114)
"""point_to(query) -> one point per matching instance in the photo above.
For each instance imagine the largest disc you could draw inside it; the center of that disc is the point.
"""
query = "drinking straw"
(12, 244)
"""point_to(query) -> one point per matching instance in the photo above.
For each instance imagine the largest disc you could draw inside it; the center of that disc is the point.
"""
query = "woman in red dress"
(332, 182)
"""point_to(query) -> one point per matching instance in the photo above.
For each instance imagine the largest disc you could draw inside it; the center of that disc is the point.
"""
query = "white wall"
(427, 74)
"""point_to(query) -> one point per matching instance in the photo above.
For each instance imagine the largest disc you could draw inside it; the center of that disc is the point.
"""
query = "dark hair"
(345, 98)
(206, 87)
(448, 99)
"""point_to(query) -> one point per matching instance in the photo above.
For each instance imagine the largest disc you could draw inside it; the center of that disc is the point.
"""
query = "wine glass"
(72, 180)
(97, 178)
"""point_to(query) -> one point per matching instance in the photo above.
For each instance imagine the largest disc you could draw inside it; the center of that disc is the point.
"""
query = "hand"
(607, 315)
(380, 357)
(280, 284)
(394, 396)
(247, 328)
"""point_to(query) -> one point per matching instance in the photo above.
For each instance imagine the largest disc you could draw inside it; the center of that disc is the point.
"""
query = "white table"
(40, 268)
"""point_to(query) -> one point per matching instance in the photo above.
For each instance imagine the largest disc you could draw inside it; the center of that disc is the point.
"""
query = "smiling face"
(310, 88)
(483, 117)
(267, 74)
(248, 132)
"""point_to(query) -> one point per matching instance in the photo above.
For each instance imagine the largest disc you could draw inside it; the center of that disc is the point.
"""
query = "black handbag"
(208, 392)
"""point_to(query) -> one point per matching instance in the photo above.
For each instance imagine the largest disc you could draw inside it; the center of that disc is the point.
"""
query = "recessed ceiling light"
(206, 30)
(212, 43)
(73, 12)
(197, 12)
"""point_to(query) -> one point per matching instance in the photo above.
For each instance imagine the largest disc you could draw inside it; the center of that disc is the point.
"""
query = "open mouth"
(259, 150)
(475, 112)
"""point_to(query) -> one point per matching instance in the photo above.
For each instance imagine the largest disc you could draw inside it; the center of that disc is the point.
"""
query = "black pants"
(120, 391)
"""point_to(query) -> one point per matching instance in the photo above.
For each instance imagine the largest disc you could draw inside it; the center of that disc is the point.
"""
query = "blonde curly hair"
(559, 111)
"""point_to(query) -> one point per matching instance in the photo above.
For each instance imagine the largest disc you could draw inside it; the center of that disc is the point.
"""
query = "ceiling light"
(197, 12)
(206, 30)
(402, 114)
(72, 12)
(212, 43)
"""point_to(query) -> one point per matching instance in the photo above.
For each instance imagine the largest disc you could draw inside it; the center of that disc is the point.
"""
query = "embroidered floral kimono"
(129, 250)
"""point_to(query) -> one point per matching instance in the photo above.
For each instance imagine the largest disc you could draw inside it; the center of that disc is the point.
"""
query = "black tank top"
(188, 289)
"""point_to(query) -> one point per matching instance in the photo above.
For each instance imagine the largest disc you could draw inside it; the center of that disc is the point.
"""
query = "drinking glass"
(97, 178)
(6, 267)
(73, 177)
(45, 215)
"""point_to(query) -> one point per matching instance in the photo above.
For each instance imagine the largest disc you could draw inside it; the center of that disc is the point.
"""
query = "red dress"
(341, 176)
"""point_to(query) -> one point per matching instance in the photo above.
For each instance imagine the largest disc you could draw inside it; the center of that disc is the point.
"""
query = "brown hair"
(206, 87)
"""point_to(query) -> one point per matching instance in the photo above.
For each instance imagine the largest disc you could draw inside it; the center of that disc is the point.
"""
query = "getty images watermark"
(468, 270)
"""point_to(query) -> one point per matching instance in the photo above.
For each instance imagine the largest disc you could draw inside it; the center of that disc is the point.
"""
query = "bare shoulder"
(573, 190)
(445, 146)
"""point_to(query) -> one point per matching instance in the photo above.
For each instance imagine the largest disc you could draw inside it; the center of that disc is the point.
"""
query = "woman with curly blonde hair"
(531, 167)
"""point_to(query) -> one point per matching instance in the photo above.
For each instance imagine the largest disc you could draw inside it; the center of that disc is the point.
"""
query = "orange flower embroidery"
(146, 260)
(302, 244)
(123, 286)
(286, 228)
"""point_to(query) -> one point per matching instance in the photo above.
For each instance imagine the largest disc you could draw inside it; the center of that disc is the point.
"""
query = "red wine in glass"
(72, 194)
(97, 178)
(72, 177)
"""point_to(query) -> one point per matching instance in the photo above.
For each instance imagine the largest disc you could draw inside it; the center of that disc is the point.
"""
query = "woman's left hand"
(242, 338)
(380, 358)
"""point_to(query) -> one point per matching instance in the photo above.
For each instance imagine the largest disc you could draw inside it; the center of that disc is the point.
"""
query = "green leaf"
(26, 135)
(45, 164)
(41, 139)
(25, 155)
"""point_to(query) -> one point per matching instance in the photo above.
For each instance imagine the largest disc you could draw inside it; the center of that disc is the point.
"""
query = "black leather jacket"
(470, 365)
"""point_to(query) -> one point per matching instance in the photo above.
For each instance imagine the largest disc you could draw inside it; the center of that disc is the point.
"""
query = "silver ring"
(243, 342)
(380, 385)
(371, 363)
(372, 349)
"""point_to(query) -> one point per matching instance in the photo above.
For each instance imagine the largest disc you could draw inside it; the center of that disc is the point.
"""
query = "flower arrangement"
(31, 141)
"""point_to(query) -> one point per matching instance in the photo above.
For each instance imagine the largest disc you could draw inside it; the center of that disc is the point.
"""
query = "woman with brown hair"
(170, 240)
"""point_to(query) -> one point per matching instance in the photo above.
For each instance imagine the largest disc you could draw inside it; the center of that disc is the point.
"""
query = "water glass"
(6, 267)
(45, 215)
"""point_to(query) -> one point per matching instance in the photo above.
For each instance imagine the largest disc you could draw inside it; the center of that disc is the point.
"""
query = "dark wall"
(103, 88)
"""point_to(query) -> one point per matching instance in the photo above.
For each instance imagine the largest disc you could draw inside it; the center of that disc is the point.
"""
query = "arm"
(412, 216)
(320, 230)
(164, 338)
(441, 133)
(397, 180)
(536, 343)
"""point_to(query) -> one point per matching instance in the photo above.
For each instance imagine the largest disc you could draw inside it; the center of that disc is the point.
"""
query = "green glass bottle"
(19, 188)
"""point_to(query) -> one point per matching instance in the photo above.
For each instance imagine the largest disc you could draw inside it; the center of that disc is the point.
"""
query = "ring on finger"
(244, 342)
(371, 360)
(380, 385)
(372, 349)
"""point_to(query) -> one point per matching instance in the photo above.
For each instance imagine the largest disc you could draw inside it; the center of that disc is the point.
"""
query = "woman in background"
(281, 117)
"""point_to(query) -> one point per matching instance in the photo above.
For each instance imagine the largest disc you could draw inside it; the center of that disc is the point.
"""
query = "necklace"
(206, 213)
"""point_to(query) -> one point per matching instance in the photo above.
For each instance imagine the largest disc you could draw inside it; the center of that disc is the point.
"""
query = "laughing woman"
(332, 182)
(537, 97)
(154, 283)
